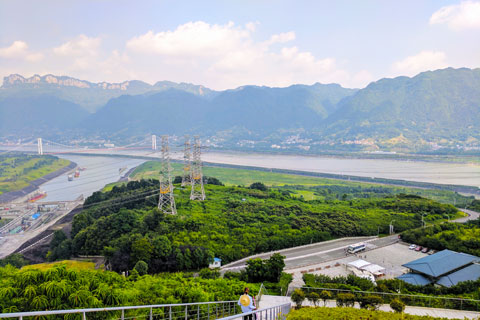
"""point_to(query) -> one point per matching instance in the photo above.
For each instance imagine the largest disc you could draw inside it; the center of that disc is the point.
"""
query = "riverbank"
(35, 184)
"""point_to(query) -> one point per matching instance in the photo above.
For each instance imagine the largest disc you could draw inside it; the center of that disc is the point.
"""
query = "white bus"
(357, 247)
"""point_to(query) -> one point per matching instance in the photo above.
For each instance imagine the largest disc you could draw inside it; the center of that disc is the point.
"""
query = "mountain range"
(430, 109)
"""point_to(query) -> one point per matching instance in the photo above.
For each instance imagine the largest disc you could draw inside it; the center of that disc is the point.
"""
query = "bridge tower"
(154, 142)
(187, 162)
(40, 146)
(197, 192)
(166, 201)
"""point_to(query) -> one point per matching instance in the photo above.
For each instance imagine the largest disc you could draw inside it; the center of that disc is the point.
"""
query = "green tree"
(325, 295)
(313, 297)
(141, 267)
(397, 305)
(298, 296)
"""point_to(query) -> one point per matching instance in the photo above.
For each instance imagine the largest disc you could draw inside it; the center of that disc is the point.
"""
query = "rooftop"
(415, 279)
(472, 272)
(441, 263)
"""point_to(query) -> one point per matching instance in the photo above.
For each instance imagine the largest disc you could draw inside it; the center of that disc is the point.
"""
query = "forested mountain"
(26, 115)
(87, 94)
(435, 104)
(434, 108)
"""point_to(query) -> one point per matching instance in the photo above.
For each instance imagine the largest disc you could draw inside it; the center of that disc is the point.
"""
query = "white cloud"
(80, 46)
(17, 49)
(226, 56)
(423, 61)
(460, 16)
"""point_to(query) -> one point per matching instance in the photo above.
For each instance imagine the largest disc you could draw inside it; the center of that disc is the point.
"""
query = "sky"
(226, 44)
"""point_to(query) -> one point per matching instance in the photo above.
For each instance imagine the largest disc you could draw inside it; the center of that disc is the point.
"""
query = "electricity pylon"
(166, 201)
(197, 192)
(187, 162)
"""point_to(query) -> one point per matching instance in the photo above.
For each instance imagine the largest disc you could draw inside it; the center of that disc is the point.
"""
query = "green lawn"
(17, 171)
(304, 185)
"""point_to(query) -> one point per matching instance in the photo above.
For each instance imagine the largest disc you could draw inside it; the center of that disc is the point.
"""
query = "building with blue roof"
(446, 268)
(415, 279)
(217, 263)
(472, 272)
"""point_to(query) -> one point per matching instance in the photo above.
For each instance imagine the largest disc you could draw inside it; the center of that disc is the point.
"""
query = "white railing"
(198, 310)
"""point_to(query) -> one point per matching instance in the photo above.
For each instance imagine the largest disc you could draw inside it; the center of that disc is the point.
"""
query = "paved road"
(317, 252)
(472, 215)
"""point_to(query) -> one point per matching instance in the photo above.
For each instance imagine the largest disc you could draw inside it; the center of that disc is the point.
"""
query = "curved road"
(472, 215)
(317, 252)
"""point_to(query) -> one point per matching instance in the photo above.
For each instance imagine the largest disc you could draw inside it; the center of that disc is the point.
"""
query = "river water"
(98, 172)
(103, 170)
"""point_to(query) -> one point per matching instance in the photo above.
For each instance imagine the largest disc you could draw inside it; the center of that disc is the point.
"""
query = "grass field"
(304, 186)
(17, 171)
(70, 264)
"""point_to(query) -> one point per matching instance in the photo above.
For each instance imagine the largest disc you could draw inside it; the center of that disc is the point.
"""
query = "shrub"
(207, 273)
(325, 295)
(370, 302)
(397, 305)
(345, 300)
(298, 296)
(141, 267)
(313, 297)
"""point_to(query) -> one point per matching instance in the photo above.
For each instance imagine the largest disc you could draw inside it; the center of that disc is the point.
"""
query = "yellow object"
(245, 300)
(163, 191)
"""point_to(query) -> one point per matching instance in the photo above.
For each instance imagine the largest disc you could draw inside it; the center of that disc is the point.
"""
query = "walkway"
(268, 301)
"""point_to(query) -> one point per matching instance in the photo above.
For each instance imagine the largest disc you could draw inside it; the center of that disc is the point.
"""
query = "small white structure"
(361, 267)
(217, 263)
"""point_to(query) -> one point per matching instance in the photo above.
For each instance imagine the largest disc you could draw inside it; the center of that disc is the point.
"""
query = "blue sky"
(225, 44)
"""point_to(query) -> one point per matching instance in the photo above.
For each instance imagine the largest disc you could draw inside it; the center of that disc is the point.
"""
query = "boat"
(120, 170)
(39, 196)
(70, 177)
(77, 174)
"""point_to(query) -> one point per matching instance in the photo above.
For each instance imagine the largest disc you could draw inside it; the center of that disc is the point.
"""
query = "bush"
(325, 295)
(345, 300)
(207, 273)
(397, 305)
(371, 302)
(141, 267)
(258, 186)
(313, 297)
(298, 296)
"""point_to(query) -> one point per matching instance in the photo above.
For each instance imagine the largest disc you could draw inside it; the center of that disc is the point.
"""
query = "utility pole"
(154, 142)
(166, 201)
(187, 162)
(197, 192)
(40, 146)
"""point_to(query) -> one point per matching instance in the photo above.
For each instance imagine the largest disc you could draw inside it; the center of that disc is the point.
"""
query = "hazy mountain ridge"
(435, 106)
(87, 94)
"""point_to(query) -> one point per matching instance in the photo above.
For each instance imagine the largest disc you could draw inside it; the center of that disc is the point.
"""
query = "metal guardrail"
(272, 313)
(408, 299)
(198, 310)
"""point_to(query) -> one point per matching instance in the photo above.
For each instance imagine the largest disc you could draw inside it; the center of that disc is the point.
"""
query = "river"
(103, 170)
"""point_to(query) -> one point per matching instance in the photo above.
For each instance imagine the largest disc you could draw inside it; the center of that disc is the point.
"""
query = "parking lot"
(390, 257)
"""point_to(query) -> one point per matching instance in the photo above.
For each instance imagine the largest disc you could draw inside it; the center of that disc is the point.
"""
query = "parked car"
(425, 250)
(419, 248)
(431, 251)
(412, 246)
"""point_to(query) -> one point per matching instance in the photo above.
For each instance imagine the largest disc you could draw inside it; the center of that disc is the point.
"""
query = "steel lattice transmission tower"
(166, 201)
(187, 160)
(197, 192)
